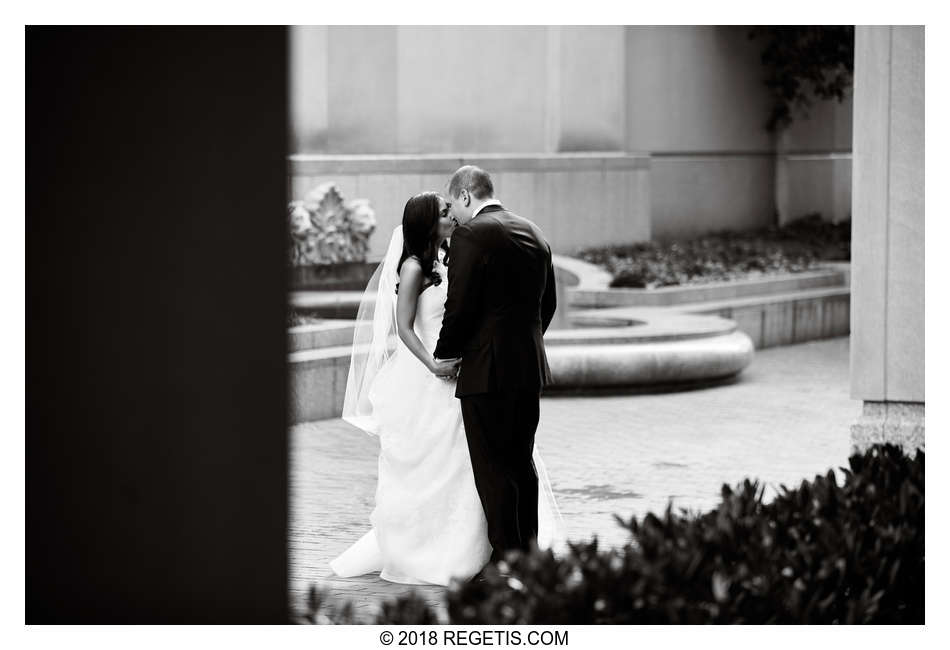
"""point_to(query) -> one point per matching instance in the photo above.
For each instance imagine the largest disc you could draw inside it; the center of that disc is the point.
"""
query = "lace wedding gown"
(428, 525)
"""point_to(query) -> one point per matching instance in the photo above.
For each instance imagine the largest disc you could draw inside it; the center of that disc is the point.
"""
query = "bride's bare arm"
(410, 286)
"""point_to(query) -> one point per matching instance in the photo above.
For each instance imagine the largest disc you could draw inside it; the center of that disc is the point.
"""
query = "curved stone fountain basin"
(659, 364)
(591, 348)
(663, 348)
(607, 348)
(643, 346)
(631, 346)
(659, 339)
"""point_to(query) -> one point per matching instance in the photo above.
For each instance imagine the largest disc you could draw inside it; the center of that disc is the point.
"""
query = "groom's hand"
(445, 368)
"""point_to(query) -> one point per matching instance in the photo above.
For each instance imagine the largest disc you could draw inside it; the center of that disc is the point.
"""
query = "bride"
(428, 525)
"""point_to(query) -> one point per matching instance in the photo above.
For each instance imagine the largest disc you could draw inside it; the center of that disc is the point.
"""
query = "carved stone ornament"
(326, 229)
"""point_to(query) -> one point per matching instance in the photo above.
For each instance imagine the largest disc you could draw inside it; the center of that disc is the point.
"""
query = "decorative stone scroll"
(326, 229)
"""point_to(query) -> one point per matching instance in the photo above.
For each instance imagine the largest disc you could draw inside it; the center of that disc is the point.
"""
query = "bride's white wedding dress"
(428, 525)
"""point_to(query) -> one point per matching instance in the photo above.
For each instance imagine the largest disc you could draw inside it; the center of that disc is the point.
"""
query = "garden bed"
(800, 246)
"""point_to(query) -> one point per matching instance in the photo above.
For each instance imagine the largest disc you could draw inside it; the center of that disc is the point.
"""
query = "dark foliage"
(411, 609)
(804, 61)
(822, 239)
(798, 246)
(321, 612)
(819, 553)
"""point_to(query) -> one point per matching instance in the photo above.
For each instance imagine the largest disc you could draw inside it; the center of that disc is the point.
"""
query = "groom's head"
(469, 187)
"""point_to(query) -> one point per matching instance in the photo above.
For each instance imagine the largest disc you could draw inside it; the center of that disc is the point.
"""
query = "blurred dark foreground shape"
(156, 451)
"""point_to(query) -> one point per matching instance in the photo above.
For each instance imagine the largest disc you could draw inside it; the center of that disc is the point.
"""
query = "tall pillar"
(887, 293)
(309, 70)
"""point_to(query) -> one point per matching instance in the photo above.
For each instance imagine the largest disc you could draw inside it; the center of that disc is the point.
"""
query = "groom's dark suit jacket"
(501, 299)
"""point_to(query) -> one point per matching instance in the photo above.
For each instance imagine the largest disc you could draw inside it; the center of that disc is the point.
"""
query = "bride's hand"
(445, 368)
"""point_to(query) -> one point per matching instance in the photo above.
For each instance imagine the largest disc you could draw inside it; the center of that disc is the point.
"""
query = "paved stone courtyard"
(785, 419)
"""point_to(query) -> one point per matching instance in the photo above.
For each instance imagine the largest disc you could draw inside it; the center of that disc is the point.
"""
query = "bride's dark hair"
(420, 234)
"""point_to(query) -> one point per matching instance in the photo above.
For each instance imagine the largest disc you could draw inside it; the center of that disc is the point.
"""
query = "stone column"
(308, 67)
(887, 303)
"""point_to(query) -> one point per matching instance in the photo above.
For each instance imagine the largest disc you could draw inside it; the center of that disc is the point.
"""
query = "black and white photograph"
(476, 334)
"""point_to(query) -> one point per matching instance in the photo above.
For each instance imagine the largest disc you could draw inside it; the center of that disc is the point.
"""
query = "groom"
(501, 299)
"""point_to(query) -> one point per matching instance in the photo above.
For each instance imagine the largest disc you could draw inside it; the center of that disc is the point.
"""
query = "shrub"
(320, 611)
(805, 62)
(410, 609)
(407, 610)
(798, 246)
(823, 239)
(819, 553)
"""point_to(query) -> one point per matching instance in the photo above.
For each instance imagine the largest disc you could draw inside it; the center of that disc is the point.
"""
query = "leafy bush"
(410, 609)
(407, 610)
(820, 553)
(804, 62)
(322, 612)
(822, 239)
(798, 246)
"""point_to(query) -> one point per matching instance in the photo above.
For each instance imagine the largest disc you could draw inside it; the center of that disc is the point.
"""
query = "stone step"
(328, 333)
(327, 304)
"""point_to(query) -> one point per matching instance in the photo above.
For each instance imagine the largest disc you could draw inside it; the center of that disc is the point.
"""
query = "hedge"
(818, 553)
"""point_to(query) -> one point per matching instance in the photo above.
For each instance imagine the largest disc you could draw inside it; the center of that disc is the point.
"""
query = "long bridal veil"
(374, 339)
(374, 344)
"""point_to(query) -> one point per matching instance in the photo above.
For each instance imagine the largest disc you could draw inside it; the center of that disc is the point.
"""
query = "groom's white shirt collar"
(485, 205)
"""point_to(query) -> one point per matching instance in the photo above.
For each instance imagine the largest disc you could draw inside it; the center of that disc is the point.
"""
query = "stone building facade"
(601, 134)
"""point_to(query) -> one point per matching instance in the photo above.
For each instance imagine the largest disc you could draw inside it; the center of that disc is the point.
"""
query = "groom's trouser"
(500, 429)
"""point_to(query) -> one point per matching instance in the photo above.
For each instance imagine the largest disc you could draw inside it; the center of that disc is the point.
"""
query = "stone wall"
(578, 200)
(813, 163)
(689, 96)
